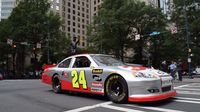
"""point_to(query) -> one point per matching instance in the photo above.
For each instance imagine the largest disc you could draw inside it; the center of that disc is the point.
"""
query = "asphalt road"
(33, 96)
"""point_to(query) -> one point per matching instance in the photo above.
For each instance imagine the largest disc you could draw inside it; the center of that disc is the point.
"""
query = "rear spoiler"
(48, 66)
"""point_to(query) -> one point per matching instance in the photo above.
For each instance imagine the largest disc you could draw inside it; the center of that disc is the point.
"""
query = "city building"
(76, 15)
(6, 7)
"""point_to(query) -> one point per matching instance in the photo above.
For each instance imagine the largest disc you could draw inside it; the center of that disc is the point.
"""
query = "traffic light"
(14, 46)
(189, 50)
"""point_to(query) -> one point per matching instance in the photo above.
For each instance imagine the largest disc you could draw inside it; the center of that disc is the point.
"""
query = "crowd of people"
(175, 68)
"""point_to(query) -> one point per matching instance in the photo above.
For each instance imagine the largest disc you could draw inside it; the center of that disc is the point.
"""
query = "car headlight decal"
(144, 75)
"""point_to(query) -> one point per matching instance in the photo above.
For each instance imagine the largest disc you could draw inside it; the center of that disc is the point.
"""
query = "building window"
(78, 7)
(74, 17)
(83, 32)
(69, 4)
(69, 16)
(74, 30)
(83, 20)
(83, 3)
(83, 15)
(74, 24)
(78, 13)
(68, 22)
(83, 44)
(95, 8)
(73, 11)
(69, 10)
(83, 26)
(63, 14)
(79, 25)
(83, 9)
(78, 19)
(94, 2)
(78, 31)
(74, 6)
(68, 29)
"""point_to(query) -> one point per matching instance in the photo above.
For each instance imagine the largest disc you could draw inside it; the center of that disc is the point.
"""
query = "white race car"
(104, 75)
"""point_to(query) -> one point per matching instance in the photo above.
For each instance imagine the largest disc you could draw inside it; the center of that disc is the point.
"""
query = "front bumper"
(148, 98)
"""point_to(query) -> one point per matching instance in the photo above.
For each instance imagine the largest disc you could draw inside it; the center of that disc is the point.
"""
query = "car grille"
(165, 89)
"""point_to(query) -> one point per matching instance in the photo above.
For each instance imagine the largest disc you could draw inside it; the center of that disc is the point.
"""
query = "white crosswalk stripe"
(193, 89)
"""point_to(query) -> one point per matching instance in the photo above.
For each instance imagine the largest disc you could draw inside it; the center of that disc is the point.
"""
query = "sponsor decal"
(94, 89)
(96, 78)
(97, 71)
(65, 74)
(97, 84)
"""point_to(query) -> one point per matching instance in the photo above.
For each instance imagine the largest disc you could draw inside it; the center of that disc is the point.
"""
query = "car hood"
(144, 70)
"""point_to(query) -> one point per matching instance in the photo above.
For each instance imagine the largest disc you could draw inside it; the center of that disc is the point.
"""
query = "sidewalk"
(186, 79)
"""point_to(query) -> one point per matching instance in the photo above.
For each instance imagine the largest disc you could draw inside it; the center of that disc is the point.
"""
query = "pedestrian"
(179, 68)
(172, 68)
(164, 66)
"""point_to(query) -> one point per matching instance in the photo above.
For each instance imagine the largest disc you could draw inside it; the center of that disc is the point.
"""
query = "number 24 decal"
(78, 80)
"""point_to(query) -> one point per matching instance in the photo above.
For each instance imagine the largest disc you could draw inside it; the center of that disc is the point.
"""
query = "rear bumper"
(148, 98)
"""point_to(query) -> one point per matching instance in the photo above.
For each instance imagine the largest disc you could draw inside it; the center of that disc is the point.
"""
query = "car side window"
(65, 64)
(81, 62)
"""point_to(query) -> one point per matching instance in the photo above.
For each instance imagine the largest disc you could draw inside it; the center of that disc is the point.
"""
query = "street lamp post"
(188, 39)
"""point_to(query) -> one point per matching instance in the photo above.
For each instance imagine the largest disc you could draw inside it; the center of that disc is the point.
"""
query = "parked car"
(196, 71)
(1, 76)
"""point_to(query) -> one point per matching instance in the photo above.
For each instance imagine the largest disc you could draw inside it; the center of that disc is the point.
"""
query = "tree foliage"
(187, 12)
(30, 23)
(114, 22)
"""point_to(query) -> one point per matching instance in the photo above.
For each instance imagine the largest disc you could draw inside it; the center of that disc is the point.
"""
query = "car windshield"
(106, 60)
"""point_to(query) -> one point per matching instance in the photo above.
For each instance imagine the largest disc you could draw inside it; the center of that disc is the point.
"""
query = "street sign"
(137, 37)
(154, 33)
(9, 41)
(189, 60)
(174, 30)
(38, 45)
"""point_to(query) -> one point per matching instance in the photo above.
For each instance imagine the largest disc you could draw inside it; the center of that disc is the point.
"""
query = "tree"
(186, 13)
(113, 24)
(31, 23)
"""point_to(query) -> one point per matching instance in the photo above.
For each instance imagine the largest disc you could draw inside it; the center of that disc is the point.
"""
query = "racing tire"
(56, 84)
(117, 89)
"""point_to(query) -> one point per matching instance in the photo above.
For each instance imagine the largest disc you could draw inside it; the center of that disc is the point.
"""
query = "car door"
(81, 74)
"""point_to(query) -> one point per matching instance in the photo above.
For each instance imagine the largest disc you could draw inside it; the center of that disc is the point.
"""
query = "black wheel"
(116, 89)
(56, 85)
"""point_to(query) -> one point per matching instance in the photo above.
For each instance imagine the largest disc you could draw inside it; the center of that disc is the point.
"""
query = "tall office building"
(6, 8)
(76, 15)
(0, 10)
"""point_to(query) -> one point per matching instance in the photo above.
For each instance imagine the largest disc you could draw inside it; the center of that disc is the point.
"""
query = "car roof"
(87, 55)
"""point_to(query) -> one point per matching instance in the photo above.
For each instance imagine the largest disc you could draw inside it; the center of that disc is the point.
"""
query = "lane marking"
(121, 108)
(156, 109)
(195, 99)
(89, 107)
(187, 92)
(189, 89)
(186, 101)
(181, 86)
